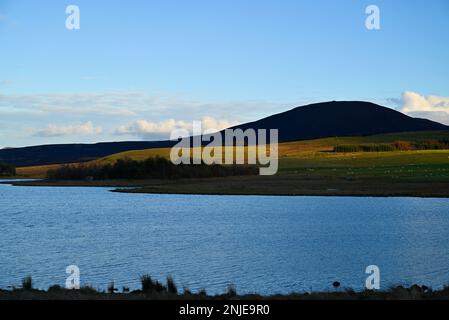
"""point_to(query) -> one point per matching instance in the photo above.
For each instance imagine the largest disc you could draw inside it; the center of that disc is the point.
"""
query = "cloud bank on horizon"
(127, 115)
(82, 129)
(116, 116)
(151, 130)
(432, 107)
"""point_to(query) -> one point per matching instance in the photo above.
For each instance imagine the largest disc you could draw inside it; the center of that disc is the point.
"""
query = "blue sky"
(136, 69)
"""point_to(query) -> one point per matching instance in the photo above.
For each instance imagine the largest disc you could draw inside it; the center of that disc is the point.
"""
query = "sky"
(135, 70)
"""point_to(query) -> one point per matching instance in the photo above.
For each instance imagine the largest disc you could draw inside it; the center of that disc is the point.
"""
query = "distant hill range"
(319, 120)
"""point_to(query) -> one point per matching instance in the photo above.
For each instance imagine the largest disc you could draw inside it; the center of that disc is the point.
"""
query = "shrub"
(149, 285)
(232, 291)
(187, 291)
(88, 290)
(171, 286)
(55, 288)
(111, 287)
(27, 283)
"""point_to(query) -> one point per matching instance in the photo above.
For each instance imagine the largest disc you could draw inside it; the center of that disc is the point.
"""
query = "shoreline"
(163, 292)
(281, 185)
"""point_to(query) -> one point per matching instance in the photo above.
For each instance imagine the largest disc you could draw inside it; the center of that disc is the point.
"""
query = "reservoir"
(263, 244)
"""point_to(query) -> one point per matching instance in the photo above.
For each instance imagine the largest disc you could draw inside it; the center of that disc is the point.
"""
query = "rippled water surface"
(266, 244)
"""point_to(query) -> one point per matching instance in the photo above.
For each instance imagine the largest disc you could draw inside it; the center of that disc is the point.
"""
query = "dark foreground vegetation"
(400, 145)
(151, 168)
(154, 290)
(7, 170)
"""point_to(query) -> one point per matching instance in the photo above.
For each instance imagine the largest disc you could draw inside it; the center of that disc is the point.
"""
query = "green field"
(314, 157)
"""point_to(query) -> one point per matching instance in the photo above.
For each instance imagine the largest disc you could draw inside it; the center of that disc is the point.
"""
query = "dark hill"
(327, 119)
(343, 118)
(65, 153)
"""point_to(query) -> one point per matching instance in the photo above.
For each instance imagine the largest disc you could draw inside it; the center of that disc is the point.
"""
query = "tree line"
(400, 145)
(151, 168)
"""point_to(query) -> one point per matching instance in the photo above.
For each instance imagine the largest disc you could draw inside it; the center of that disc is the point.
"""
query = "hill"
(341, 119)
(320, 120)
(67, 153)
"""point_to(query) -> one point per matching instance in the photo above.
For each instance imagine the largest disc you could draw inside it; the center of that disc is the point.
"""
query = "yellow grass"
(308, 153)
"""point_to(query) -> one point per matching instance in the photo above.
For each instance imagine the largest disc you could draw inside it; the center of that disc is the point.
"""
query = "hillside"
(67, 153)
(306, 154)
(327, 119)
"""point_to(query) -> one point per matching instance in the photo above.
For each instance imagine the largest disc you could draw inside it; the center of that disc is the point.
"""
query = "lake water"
(264, 244)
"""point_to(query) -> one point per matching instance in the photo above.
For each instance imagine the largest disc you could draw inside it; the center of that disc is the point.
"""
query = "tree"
(7, 169)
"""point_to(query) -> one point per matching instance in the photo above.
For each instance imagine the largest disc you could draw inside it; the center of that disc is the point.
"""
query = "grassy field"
(311, 167)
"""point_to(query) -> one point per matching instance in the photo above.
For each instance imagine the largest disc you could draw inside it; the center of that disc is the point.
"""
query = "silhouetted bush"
(55, 288)
(232, 291)
(147, 283)
(112, 288)
(171, 286)
(88, 290)
(151, 289)
(151, 168)
(7, 169)
(150, 286)
(187, 292)
(27, 283)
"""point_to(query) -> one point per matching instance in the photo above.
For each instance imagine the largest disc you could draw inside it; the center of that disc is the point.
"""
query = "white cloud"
(432, 107)
(210, 123)
(143, 127)
(53, 130)
(133, 105)
(162, 129)
(112, 110)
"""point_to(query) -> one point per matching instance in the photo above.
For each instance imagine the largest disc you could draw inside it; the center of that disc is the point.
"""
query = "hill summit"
(341, 118)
